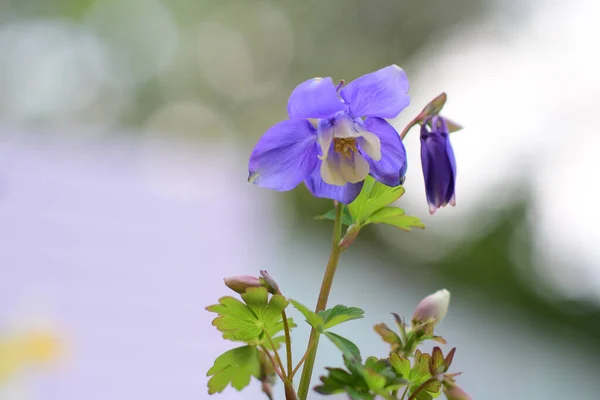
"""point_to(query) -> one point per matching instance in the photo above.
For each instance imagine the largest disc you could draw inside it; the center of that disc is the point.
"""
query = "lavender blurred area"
(120, 246)
(125, 127)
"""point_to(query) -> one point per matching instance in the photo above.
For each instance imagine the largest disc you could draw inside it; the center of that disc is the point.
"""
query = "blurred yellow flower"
(26, 349)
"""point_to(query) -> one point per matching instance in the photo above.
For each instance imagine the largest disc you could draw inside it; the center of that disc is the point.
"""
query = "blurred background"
(125, 128)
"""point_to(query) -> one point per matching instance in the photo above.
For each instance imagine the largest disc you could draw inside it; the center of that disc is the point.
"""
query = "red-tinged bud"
(433, 107)
(240, 283)
(350, 237)
(454, 392)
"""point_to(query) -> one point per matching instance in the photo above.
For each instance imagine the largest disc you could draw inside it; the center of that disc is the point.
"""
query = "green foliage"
(324, 320)
(396, 217)
(361, 380)
(235, 367)
(330, 215)
(408, 339)
(253, 321)
(312, 318)
(256, 321)
(348, 349)
(372, 206)
(338, 314)
(374, 196)
(389, 336)
(418, 374)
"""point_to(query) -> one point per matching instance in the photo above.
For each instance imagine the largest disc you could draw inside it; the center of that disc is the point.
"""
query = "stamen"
(339, 86)
(345, 146)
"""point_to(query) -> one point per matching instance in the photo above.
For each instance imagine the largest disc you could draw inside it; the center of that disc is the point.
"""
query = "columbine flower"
(433, 307)
(439, 166)
(326, 143)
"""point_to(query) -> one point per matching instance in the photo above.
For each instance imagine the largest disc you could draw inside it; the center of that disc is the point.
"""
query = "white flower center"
(345, 163)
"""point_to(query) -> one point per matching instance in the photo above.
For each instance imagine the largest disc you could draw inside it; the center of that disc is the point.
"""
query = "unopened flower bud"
(350, 237)
(268, 282)
(433, 107)
(433, 307)
(240, 283)
(454, 392)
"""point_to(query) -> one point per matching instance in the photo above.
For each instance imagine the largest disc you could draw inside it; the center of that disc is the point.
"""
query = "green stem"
(277, 358)
(275, 367)
(334, 257)
(290, 393)
(404, 393)
(416, 392)
(310, 347)
(288, 344)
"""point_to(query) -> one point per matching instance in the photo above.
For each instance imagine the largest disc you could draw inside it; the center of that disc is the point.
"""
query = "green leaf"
(375, 378)
(313, 319)
(374, 196)
(330, 215)
(388, 336)
(328, 318)
(236, 321)
(416, 375)
(347, 347)
(235, 367)
(423, 395)
(277, 342)
(436, 362)
(375, 382)
(401, 365)
(420, 370)
(395, 216)
(355, 395)
(338, 314)
(247, 322)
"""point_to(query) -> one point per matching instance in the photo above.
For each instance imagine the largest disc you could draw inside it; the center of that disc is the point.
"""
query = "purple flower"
(326, 144)
(439, 166)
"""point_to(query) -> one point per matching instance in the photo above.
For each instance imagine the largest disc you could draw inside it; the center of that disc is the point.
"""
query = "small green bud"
(240, 283)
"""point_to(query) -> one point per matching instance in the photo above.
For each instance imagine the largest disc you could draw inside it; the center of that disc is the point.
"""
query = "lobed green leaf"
(235, 367)
(330, 215)
(247, 322)
(339, 314)
(373, 197)
(396, 217)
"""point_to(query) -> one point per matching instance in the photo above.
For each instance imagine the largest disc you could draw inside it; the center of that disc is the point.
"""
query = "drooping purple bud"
(432, 308)
(454, 392)
(240, 283)
(439, 165)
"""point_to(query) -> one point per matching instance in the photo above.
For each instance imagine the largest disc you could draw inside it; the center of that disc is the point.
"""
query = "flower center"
(345, 146)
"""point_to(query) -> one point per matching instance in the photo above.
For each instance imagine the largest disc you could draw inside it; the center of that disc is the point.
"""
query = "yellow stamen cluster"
(345, 146)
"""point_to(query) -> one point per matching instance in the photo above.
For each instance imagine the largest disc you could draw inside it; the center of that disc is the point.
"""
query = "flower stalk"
(288, 344)
(336, 251)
